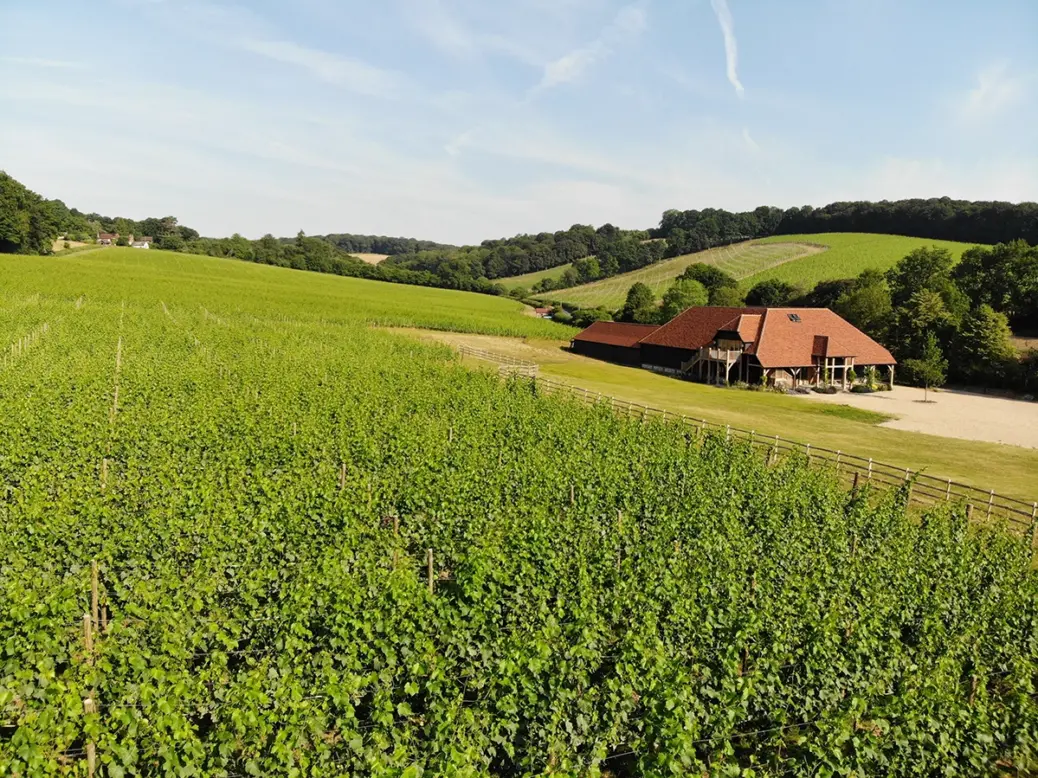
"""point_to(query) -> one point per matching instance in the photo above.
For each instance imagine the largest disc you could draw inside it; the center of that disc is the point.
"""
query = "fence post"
(808, 451)
(728, 432)
(838, 455)
(870, 469)
(1034, 526)
(947, 496)
(991, 502)
(95, 616)
(855, 487)
(342, 476)
(91, 753)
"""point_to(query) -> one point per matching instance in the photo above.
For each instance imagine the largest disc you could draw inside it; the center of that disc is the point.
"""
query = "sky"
(462, 120)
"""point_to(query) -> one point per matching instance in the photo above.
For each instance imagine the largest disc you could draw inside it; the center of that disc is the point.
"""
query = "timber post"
(429, 561)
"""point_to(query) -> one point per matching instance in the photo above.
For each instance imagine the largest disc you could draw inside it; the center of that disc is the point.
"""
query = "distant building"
(107, 238)
(613, 341)
(142, 243)
(781, 346)
(544, 313)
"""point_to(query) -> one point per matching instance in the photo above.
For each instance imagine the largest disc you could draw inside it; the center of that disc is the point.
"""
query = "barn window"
(793, 316)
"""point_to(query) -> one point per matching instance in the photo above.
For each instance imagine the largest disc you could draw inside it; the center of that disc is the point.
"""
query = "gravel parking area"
(949, 413)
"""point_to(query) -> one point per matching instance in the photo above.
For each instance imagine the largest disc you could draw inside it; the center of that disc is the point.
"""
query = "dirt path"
(950, 414)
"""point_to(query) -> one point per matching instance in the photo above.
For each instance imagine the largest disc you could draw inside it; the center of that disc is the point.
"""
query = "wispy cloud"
(995, 89)
(34, 62)
(335, 69)
(630, 21)
(731, 48)
(750, 142)
(450, 34)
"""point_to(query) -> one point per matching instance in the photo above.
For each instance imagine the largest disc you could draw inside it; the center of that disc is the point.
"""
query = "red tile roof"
(613, 333)
(697, 326)
(820, 332)
(776, 338)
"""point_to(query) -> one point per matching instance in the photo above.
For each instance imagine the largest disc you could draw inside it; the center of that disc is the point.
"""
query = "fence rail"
(506, 364)
(925, 489)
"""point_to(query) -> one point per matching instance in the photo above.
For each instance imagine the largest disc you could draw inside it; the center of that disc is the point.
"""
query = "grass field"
(527, 280)
(848, 255)
(741, 260)
(1008, 470)
(154, 276)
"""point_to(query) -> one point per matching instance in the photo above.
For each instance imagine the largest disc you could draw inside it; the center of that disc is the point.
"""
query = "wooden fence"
(925, 489)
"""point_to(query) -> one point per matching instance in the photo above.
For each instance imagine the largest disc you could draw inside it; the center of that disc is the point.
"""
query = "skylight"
(793, 316)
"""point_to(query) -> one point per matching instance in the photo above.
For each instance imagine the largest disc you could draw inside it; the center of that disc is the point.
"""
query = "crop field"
(741, 260)
(527, 280)
(325, 549)
(848, 255)
(371, 259)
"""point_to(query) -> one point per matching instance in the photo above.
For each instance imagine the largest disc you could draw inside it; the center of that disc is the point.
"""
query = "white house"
(142, 243)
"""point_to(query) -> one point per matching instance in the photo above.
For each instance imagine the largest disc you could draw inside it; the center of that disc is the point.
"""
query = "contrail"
(731, 50)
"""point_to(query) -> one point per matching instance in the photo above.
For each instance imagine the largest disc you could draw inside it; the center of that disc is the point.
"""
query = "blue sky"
(460, 120)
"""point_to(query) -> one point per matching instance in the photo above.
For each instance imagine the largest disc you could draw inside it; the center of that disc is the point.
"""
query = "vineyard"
(243, 533)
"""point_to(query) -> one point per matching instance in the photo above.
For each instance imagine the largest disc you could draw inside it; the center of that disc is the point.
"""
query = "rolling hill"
(803, 260)
(741, 260)
(848, 254)
(527, 280)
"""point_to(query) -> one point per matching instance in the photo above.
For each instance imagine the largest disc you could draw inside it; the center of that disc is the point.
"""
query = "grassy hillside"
(527, 280)
(848, 254)
(741, 260)
(156, 276)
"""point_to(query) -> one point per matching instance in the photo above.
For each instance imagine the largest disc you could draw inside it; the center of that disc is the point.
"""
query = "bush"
(825, 389)
(862, 389)
(66, 245)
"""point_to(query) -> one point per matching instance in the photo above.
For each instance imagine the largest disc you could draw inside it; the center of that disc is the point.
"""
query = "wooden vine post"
(89, 707)
(94, 610)
(432, 582)
(342, 477)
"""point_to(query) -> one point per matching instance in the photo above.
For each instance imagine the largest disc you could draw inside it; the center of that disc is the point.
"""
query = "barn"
(612, 341)
(780, 346)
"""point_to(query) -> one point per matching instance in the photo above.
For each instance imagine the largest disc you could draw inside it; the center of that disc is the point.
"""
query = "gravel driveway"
(950, 413)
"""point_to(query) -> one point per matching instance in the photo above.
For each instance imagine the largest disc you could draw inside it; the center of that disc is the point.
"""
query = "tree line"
(941, 320)
(381, 244)
(594, 253)
(939, 218)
